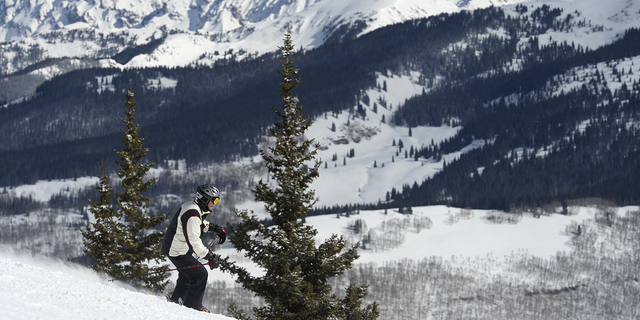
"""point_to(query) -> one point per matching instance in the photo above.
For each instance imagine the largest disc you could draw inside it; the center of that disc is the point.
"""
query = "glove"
(222, 234)
(214, 260)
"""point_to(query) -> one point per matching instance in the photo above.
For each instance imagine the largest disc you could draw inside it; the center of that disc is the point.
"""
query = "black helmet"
(206, 193)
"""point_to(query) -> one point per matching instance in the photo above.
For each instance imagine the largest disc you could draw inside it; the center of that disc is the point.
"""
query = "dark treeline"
(464, 100)
(599, 160)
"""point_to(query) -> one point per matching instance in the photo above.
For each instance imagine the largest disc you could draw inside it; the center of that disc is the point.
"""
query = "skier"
(183, 245)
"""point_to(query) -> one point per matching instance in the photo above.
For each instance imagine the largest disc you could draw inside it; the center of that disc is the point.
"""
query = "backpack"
(171, 232)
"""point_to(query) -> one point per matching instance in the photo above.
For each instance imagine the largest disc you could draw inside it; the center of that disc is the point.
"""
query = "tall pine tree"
(122, 241)
(296, 271)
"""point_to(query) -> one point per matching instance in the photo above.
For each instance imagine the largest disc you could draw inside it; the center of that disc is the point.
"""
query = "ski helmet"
(206, 193)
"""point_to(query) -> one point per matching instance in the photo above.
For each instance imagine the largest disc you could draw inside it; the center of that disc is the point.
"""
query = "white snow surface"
(40, 288)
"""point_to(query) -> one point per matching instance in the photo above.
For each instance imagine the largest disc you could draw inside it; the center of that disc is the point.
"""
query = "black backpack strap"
(171, 232)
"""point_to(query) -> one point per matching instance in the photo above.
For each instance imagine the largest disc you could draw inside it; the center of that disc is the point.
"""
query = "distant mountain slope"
(73, 113)
(193, 31)
(508, 76)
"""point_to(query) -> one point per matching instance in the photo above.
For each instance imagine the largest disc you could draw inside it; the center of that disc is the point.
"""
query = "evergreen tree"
(104, 234)
(122, 241)
(296, 271)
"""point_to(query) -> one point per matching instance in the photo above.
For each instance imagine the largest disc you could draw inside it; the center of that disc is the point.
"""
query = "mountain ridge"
(53, 29)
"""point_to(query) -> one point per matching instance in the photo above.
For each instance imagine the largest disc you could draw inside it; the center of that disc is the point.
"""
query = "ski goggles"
(215, 201)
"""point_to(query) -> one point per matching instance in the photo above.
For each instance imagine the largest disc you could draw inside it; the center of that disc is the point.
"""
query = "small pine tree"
(352, 302)
(294, 284)
(121, 242)
(105, 233)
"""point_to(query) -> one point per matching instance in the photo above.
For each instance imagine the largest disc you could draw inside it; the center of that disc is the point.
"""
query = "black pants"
(192, 282)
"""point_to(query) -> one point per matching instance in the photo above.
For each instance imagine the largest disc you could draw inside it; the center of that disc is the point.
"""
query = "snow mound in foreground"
(48, 289)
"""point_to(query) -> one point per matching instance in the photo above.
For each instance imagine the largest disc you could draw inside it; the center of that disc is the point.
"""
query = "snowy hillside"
(203, 31)
(445, 232)
(40, 288)
(377, 166)
(192, 31)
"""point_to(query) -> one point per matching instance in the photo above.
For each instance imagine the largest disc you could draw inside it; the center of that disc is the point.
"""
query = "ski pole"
(212, 241)
(161, 271)
(176, 269)
(189, 267)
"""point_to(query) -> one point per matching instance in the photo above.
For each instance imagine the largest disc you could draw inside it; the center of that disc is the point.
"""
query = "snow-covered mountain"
(66, 35)
(191, 31)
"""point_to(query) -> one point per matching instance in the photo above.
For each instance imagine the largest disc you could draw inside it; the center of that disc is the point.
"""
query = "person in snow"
(183, 245)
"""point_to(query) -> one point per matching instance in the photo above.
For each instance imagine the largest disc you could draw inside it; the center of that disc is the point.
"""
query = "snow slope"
(39, 288)
(372, 142)
(446, 232)
(358, 181)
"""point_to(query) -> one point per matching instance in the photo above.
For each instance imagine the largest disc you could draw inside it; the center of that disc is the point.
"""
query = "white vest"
(187, 238)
